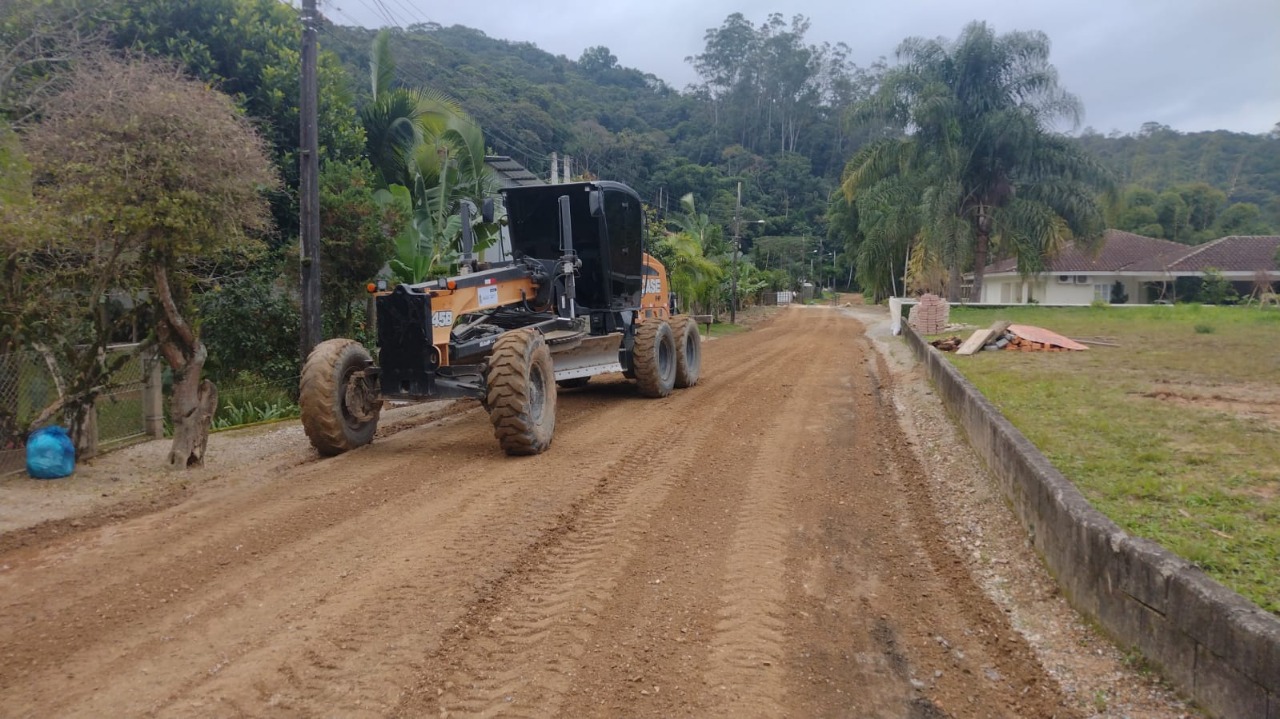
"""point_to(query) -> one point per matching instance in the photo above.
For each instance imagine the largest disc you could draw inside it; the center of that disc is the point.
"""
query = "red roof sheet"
(1237, 253)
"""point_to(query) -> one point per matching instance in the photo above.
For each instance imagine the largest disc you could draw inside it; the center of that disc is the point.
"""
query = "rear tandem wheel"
(654, 358)
(688, 350)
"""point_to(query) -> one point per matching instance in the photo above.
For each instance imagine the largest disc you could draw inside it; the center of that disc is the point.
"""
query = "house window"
(1102, 292)
(1006, 292)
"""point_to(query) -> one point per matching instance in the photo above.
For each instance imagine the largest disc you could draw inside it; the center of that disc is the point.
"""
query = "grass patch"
(1174, 434)
(720, 329)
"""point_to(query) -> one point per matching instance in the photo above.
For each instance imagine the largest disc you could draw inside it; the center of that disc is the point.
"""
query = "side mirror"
(595, 201)
(486, 211)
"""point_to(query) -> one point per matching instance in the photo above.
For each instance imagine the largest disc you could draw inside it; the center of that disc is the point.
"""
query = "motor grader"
(579, 297)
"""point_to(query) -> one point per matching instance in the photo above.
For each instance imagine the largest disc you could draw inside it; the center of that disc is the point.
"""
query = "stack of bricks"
(930, 316)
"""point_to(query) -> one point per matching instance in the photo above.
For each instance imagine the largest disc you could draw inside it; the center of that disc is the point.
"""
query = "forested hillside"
(770, 112)
(773, 111)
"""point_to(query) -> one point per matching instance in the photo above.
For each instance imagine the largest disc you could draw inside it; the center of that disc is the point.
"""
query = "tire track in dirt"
(896, 625)
(992, 671)
(661, 549)
(747, 649)
(527, 644)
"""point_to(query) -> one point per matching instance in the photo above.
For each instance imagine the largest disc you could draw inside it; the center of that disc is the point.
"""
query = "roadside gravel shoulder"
(1098, 677)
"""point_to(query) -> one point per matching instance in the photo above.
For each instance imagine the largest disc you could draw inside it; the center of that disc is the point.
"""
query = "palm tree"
(976, 145)
(429, 158)
(693, 275)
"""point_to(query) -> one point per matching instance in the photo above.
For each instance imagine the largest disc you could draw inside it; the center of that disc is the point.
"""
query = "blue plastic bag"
(50, 454)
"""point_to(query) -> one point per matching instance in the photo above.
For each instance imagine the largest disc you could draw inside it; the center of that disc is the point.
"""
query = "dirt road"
(762, 544)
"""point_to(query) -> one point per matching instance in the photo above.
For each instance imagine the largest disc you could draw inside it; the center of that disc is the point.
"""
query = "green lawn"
(1175, 434)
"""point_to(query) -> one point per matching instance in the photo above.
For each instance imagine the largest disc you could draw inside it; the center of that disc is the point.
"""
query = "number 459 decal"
(443, 318)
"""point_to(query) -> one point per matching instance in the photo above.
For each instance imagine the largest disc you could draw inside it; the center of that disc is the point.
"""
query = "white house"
(1145, 266)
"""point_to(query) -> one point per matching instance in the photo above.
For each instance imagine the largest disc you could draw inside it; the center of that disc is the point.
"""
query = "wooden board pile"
(1021, 338)
(930, 316)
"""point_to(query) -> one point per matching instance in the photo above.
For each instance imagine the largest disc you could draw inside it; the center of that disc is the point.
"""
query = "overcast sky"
(1190, 64)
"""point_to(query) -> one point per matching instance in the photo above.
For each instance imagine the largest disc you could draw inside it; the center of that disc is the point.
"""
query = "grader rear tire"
(330, 424)
(688, 351)
(655, 358)
(522, 392)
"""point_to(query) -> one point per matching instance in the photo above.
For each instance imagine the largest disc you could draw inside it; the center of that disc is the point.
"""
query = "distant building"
(1145, 266)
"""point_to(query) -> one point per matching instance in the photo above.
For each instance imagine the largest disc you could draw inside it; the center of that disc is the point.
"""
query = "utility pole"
(737, 246)
(555, 169)
(309, 185)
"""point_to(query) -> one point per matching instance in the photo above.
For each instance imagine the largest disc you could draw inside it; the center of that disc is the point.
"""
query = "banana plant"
(430, 159)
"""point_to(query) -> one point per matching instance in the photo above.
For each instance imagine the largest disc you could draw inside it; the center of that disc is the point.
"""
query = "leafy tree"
(1242, 218)
(597, 60)
(250, 324)
(1174, 215)
(429, 158)
(158, 178)
(248, 49)
(356, 234)
(693, 275)
(988, 172)
(42, 39)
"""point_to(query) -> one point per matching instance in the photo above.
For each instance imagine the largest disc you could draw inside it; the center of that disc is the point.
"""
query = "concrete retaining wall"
(1218, 647)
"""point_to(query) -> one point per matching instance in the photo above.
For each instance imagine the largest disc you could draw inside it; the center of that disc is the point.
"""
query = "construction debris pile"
(930, 316)
(948, 344)
(1005, 336)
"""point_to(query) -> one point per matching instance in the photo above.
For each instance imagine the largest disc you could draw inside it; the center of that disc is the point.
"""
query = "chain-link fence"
(28, 385)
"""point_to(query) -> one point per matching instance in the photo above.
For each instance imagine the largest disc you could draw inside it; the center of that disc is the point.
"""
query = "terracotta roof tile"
(1118, 252)
(1237, 253)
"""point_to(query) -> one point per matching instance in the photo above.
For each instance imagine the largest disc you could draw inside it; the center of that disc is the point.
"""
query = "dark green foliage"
(355, 240)
(1216, 289)
(974, 171)
(619, 123)
(1242, 167)
(251, 324)
(250, 50)
(1118, 295)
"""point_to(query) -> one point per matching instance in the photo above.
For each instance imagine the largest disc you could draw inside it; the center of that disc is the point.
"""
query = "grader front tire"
(331, 425)
(521, 392)
(655, 358)
(688, 351)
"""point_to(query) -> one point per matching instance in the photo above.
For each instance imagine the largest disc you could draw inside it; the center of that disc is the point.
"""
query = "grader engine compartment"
(578, 297)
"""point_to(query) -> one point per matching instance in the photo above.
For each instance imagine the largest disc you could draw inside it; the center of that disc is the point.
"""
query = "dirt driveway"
(767, 543)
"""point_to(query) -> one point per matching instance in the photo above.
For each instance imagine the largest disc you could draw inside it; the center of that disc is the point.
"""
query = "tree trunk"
(193, 405)
(982, 241)
(954, 280)
(194, 400)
